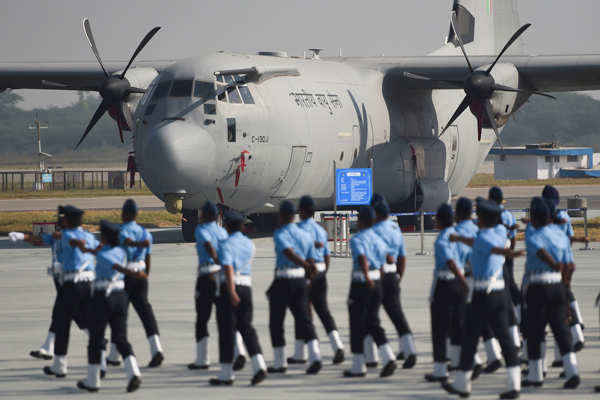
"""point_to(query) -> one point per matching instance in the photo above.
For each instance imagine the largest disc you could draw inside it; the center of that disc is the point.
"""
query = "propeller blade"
(490, 115)
(460, 42)
(454, 84)
(120, 129)
(136, 90)
(90, 38)
(102, 108)
(507, 45)
(140, 47)
(503, 88)
(461, 108)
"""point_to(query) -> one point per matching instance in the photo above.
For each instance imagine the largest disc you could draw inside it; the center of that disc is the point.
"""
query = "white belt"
(545, 277)
(445, 275)
(359, 276)
(208, 269)
(108, 286)
(136, 266)
(290, 273)
(389, 268)
(55, 269)
(488, 285)
(76, 277)
(243, 280)
(321, 267)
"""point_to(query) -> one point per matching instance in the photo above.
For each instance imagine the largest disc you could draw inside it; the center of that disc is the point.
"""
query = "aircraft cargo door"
(291, 176)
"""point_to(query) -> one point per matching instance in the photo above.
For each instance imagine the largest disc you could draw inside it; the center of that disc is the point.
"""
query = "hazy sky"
(45, 30)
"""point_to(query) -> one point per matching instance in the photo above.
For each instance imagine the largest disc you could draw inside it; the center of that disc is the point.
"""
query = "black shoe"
(81, 385)
(450, 389)
(314, 368)
(557, 364)
(194, 366)
(40, 355)
(388, 369)
(291, 360)
(512, 394)
(528, 383)
(572, 382)
(239, 363)
(597, 389)
(48, 371)
(372, 364)
(492, 367)
(156, 360)
(339, 357)
(102, 374)
(477, 370)
(400, 356)
(451, 368)
(218, 382)
(578, 347)
(349, 374)
(134, 384)
(433, 378)
(273, 370)
(410, 362)
(113, 363)
(258, 377)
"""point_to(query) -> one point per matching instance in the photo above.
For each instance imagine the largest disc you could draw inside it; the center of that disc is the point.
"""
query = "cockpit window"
(162, 89)
(237, 91)
(246, 95)
(181, 88)
(204, 90)
(234, 96)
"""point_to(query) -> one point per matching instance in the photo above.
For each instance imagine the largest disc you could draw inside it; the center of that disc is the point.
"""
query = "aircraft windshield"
(181, 88)
(204, 90)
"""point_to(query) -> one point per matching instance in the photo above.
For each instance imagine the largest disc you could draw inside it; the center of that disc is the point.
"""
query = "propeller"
(114, 89)
(479, 86)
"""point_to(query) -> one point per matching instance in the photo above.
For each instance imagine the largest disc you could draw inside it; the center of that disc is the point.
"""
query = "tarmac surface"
(27, 295)
(516, 196)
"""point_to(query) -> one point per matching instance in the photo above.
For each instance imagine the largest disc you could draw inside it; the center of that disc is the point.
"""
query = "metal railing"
(26, 181)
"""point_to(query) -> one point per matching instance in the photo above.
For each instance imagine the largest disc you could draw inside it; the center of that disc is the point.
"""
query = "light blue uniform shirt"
(467, 229)
(567, 228)
(237, 250)
(485, 264)
(549, 238)
(290, 236)
(445, 250)
(73, 259)
(390, 233)
(566, 242)
(508, 219)
(55, 245)
(367, 243)
(141, 252)
(212, 233)
(319, 235)
(106, 258)
(131, 230)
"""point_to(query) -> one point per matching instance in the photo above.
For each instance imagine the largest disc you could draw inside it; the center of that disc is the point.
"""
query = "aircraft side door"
(292, 174)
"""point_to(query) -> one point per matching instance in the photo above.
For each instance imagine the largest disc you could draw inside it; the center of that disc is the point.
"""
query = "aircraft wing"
(542, 73)
(62, 76)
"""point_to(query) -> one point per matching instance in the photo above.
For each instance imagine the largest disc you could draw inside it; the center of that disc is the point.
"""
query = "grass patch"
(487, 180)
(23, 221)
(75, 193)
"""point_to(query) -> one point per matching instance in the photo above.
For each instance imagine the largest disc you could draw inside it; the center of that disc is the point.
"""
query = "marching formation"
(473, 294)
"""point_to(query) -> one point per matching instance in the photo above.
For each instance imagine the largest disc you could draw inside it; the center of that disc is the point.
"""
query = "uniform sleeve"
(225, 255)
(570, 232)
(283, 241)
(443, 251)
(47, 239)
(357, 247)
(322, 235)
(535, 243)
(401, 248)
(202, 236)
(148, 237)
(122, 236)
(569, 253)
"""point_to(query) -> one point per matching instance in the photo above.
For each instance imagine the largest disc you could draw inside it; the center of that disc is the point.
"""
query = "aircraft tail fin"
(486, 25)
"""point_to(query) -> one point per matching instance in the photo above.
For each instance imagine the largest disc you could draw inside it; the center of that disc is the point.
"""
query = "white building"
(539, 161)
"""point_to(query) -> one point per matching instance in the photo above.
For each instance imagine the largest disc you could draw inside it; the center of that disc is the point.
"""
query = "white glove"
(16, 236)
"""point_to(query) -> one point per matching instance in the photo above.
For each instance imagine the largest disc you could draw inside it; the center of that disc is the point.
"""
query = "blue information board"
(46, 178)
(353, 186)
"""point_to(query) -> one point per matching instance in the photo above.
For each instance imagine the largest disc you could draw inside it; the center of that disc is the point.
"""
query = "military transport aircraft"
(248, 130)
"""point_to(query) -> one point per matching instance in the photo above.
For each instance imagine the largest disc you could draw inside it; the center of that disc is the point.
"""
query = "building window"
(503, 157)
(548, 159)
(556, 158)
(572, 158)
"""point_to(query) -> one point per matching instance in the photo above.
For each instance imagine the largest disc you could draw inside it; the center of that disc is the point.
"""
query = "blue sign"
(46, 178)
(353, 186)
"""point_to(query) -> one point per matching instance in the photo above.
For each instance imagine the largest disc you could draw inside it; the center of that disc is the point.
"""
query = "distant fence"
(28, 181)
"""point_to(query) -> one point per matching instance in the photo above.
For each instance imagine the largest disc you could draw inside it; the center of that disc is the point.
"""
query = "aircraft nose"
(177, 157)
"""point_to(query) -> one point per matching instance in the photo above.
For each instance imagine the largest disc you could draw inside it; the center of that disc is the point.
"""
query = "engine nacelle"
(394, 171)
(504, 104)
(139, 78)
